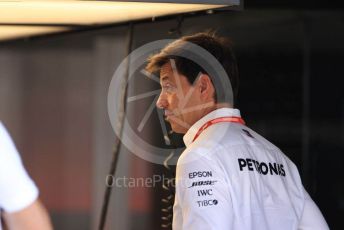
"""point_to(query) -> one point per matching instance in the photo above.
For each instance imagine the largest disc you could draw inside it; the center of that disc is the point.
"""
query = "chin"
(178, 129)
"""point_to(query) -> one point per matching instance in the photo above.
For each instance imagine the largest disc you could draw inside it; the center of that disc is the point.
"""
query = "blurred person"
(228, 177)
(20, 206)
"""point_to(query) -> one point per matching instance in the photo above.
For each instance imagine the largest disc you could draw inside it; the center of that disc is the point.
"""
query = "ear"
(206, 87)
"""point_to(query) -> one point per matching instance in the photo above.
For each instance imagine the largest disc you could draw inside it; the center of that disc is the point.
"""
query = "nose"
(162, 102)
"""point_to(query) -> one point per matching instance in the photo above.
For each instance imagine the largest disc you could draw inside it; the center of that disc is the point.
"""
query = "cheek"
(191, 100)
(173, 100)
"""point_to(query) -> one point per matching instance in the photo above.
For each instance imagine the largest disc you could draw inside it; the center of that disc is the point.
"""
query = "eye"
(168, 88)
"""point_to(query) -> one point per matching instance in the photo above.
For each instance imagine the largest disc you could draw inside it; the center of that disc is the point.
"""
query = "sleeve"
(17, 190)
(312, 219)
(203, 194)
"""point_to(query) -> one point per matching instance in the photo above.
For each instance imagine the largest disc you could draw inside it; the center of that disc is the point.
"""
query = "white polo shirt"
(232, 178)
(17, 190)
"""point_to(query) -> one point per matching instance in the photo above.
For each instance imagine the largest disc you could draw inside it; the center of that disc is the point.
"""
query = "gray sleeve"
(311, 218)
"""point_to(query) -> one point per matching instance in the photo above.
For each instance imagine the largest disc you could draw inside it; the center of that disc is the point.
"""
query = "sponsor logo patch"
(202, 183)
(205, 203)
(263, 168)
(205, 192)
(200, 174)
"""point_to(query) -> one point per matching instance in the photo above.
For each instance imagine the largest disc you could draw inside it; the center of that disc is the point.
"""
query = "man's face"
(181, 101)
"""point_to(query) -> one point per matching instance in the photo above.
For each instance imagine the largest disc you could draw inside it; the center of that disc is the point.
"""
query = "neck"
(215, 107)
(223, 105)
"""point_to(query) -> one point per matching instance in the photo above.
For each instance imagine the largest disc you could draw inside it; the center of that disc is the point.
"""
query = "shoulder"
(17, 190)
(3, 132)
(5, 138)
(229, 138)
(232, 137)
(7, 146)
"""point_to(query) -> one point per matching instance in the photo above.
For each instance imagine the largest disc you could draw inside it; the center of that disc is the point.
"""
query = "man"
(228, 177)
(19, 203)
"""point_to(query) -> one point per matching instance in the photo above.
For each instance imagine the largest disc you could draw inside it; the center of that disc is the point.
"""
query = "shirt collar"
(223, 112)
